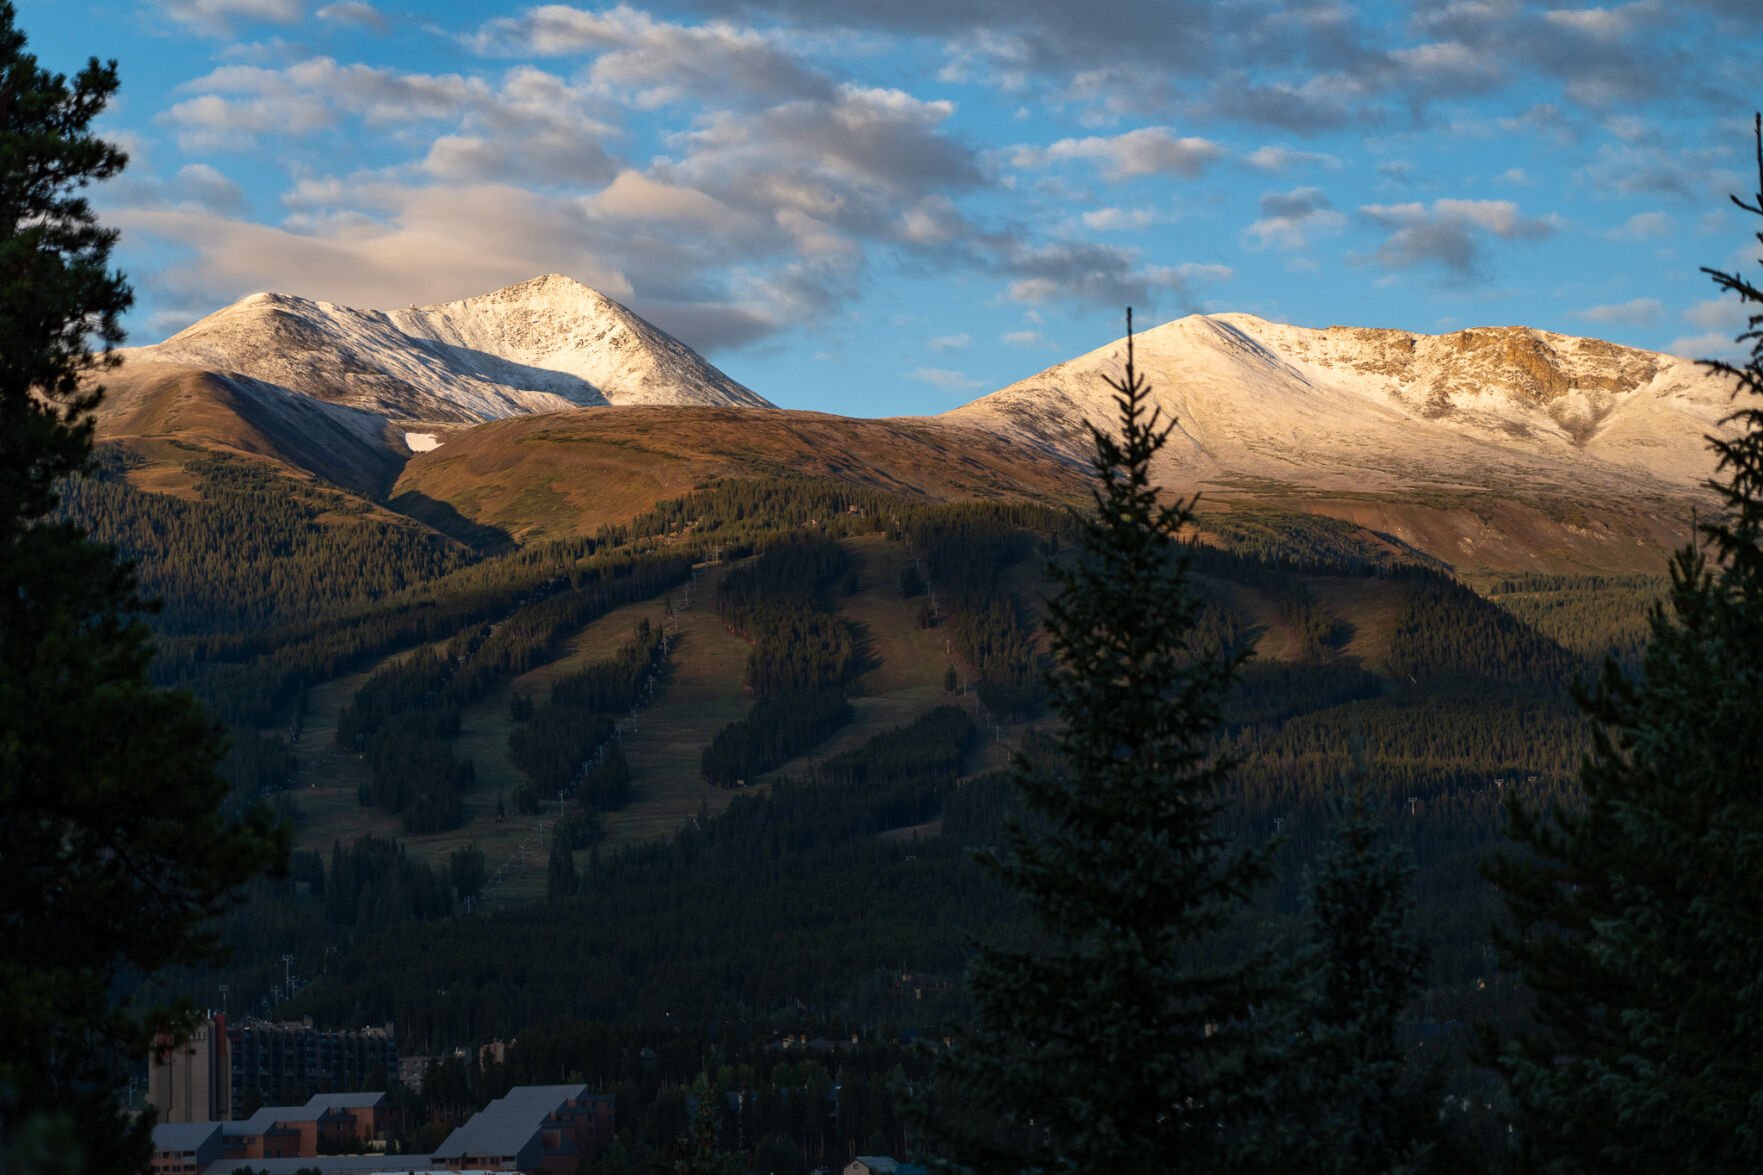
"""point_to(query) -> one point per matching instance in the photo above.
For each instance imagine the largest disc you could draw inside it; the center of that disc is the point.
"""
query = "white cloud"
(208, 188)
(1712, 345)
(372, 243)
(1121, 219)
(1606, 25)
(634, 196)
(1728, 315)
(1317, 102)
(1190, 273)
(654, 63)
(1499, 217)
(1291, 220)
(946, 343)
(1450, 232)
(1032, 339)
(947, 380)
(1283, 158)
(430, 244)
(752, 217)
(1450, 67)
(1152, 150)
(236, 104)
(534, 123)
(1628, 168)
(355, 14)
(1642, 226)
(817, 178)
(1069, 271)
(218, 18)
(933, 220)
(720, 163)
(1544, 120)
(1637, 312)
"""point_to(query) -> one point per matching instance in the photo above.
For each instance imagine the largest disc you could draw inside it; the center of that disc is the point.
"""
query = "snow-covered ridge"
(539, 346)
(1263, 406)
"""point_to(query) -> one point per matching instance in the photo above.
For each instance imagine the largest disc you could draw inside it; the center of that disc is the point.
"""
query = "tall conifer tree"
(112, 847)
(1636, 915)
(1113, 1047)
(1344, 1096)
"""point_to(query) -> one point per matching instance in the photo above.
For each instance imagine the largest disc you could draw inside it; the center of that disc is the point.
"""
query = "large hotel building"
(226, 1071)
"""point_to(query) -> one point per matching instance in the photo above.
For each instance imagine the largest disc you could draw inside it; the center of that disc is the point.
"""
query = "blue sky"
(880, 207)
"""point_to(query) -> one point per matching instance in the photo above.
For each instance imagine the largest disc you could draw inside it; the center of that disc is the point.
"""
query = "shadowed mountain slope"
(166, 413)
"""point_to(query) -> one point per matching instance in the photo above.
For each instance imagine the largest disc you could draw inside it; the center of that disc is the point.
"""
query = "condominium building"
(282, 1063)
(229, 1070)
(188, 1080)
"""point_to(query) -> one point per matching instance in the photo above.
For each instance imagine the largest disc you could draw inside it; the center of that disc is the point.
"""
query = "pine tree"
(112, 846)
(561, 879)
(1115, 1045)
(1635, 914)
(701, 1153)
(1344, 1096)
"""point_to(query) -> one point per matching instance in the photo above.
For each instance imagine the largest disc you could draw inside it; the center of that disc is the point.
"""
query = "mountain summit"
(539, 346)
(1263, 406)
(1505, 447)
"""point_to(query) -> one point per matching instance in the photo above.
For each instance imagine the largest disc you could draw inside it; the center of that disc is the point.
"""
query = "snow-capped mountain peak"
(541, 345)
(1262, 405)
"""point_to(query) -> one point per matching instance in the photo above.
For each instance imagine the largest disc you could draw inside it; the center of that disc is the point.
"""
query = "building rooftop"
(493, 1134)
(183, 1136)
(348, 1101)
(541, 1097)
(331, 1165)
(267, 1117)
(511, 1123)
(314, 1109)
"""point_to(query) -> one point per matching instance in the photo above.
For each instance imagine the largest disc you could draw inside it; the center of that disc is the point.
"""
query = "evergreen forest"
(783, 910)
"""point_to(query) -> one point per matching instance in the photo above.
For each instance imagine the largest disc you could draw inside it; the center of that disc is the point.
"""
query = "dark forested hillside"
(456, 735)
(257, 550)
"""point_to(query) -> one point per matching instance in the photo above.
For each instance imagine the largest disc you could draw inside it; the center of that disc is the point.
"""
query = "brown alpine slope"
(169, 413)
(569, 473)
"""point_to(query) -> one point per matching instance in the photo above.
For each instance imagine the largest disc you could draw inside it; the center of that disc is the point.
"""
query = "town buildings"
(534, 1129)
(227, 1070)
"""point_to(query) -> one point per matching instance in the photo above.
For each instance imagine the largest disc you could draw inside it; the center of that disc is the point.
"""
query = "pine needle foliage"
(1346, 1097)
(1115, 1044)
(113, 848)
(1635, 915)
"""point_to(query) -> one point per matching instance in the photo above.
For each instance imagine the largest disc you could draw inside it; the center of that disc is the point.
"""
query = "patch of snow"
(421, 442)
